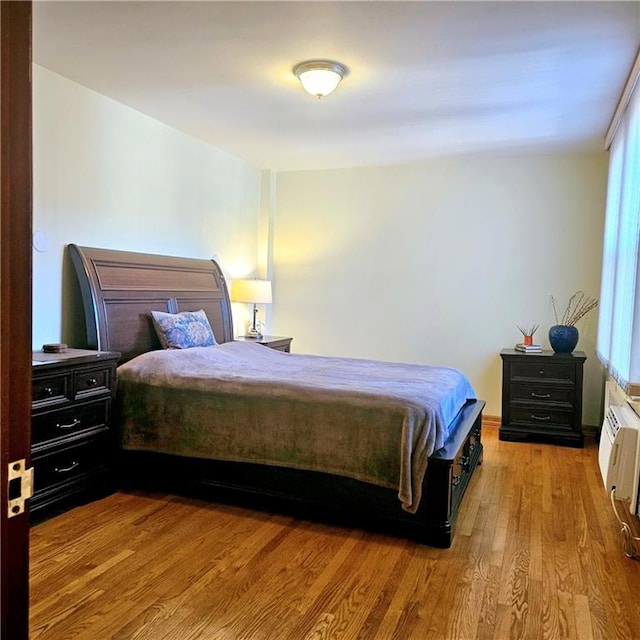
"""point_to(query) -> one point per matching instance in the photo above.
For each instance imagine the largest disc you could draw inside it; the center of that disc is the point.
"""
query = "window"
(618, 345)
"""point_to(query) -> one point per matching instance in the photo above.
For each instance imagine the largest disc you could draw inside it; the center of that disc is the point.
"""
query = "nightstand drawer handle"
(92, 382)
(47, 391)
(540, 395)
(71, 467)
(541, 372)
(71, 425)
(541, 418)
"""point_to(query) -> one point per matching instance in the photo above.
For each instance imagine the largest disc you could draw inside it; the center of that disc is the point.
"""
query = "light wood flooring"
(537, 554)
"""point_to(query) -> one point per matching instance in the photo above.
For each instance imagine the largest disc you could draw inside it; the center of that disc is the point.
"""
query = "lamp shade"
(255, 291)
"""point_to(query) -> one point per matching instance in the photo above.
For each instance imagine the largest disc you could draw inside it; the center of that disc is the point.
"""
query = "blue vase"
(563, 338)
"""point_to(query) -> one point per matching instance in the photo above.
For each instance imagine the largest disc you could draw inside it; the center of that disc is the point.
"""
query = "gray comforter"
(374, 421)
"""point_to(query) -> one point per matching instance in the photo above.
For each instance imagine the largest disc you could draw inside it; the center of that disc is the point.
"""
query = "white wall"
(433, 262)
(437, 262)
(108, 176)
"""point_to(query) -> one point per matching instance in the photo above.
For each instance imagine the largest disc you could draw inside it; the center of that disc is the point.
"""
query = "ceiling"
(426, 79)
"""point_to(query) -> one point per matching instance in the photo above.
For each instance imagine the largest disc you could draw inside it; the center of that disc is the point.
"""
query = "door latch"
(20, 489)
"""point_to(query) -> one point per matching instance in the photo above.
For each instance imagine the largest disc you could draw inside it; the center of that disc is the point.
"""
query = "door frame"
(15, 304)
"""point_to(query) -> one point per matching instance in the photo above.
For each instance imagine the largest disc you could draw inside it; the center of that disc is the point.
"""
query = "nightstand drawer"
(540, 417)
(92, 381)
(67, 423)
(550, 371)
(542, 394)
(50, 390)
(278, 343)
(281, 347)
(69, 464)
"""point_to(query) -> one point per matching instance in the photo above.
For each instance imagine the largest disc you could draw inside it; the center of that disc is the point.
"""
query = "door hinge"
(20, 487)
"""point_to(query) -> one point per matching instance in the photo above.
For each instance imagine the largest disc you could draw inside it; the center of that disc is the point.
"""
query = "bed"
(331, 438)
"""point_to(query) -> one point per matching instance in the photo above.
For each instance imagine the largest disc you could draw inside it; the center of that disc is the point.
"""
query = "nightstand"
(542, 396)
(279, 343)
(72, 445)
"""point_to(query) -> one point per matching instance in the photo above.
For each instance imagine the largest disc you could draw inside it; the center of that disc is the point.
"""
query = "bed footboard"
(448, 475)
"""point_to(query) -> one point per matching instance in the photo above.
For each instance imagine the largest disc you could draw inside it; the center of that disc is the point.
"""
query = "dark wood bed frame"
(120, 288)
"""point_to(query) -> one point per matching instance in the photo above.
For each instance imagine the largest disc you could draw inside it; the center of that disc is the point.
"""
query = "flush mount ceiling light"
(320, 77)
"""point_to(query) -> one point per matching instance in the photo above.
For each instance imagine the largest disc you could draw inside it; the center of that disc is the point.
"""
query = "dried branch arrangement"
(579, 305)
(527, 330)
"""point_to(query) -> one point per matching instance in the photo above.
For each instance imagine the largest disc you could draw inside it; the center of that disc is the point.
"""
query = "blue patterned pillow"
(183, 330)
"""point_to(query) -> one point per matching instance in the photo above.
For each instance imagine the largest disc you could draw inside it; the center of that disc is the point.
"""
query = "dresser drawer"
(69, 464)
(540, 394)
(549, 371)
(52, 426)
(92, 381)
(51, 390)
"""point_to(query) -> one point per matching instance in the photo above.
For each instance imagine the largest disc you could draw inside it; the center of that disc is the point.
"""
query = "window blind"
(618, 342)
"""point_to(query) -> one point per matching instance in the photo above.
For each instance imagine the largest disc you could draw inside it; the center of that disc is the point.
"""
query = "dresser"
(279, 343)
(542, 396)
(72, 445)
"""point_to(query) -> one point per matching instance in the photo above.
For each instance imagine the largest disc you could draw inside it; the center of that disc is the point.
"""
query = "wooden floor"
(537, 554)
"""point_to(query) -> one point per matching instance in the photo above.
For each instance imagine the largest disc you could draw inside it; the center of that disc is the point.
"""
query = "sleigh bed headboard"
(120, 288)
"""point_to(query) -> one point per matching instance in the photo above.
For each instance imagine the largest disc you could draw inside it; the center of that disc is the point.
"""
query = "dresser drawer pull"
(71, 425)
(541, 372)
(71, 467)
(540, 395)
(541, 418)
(455, 481)
(91, 382)
(47, 392)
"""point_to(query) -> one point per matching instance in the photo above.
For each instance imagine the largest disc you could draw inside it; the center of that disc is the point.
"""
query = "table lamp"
(254, 292)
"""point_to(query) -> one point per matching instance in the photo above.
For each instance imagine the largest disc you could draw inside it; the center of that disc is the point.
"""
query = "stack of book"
(528, 348)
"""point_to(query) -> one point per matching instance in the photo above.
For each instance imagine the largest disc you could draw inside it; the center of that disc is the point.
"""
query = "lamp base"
(253, 332)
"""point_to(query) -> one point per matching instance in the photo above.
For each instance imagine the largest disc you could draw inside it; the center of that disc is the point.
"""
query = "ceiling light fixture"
(320, 77)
